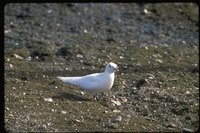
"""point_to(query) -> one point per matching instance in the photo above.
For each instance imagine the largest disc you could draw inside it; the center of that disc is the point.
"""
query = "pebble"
(43, 126)
(77, 120)
(121, 57)
(114, 125)
(11, 66)
(7, 108)
(28, 58)
(187, 92)
(159, 61)
(18, 57)
(123, 99)
(134, 88)
(118, 103)
(116, 111)
(129, 116)
(187, 130)
(172, 125)
(82, 93)
(145, 11)
(13, 88)
(79, 56)
(150, 77)
(48, 99)
(64, 112)
(119, 118)
(11, 115)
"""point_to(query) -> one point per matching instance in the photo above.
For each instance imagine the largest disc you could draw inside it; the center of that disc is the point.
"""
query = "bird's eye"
(109, 65)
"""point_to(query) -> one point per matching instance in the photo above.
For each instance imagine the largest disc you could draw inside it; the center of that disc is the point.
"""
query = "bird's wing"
(81, 81)
(89, 81)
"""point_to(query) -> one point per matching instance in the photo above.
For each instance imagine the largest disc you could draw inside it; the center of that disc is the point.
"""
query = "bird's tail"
(72, 80)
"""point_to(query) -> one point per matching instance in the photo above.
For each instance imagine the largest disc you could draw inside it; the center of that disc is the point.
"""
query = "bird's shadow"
(70, 97)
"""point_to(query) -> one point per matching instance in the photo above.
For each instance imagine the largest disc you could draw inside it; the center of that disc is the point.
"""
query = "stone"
(123, 99)
(118, 103)
(114, 125)
(64, 112)
(119, 118)
(48, 99)
(116, 111)
(187, 130)
(18, 57)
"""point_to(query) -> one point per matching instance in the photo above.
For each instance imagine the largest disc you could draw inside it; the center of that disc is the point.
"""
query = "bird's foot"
(96, 98)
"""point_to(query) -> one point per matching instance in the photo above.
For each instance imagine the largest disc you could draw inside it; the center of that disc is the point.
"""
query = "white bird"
(94, 83)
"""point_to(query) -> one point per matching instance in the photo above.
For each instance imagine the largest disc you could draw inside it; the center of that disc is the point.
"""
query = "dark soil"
(156, 47)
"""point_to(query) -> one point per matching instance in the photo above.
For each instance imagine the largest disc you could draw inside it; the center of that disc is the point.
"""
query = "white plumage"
(94, 83)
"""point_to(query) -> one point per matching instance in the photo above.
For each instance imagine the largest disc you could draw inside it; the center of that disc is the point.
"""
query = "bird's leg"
(95, 96)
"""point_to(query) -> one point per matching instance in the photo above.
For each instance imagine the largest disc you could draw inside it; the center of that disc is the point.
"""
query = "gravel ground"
(156, 47)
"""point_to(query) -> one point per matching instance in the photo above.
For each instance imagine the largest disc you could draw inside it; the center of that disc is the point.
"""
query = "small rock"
(28, 58)
(123, 99)
(7, 108)
(146, 99)
(166, 53)
(145, 11)
(134, 88)
(11, 66)
(113, 96)
(7, 31)
(13, 88)
(11, 115)
(114, 125)
(169, 70)
(154, 55)
(79, 56)
(82, 93)
(119, 118)
(187, 130)
(116, 111)
(43, 126)
(18, 57)
(187, 92)
(150, 77)
(172, 125)
(85, 31)
(64, 112)
(159, 61)
(48, 99)
(118, 103)
(129, 116)
(77, 120)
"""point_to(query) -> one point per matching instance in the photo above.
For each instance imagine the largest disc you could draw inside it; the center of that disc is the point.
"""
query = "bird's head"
(111, 67)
